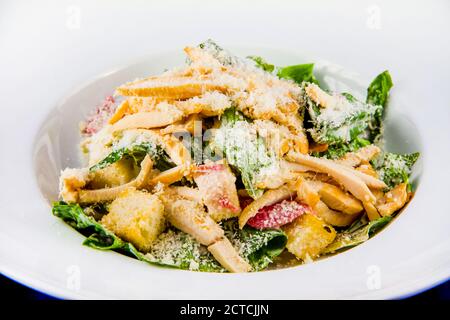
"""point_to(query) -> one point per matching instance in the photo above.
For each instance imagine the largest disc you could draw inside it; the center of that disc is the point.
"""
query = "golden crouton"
(307, 236)
(137, 217)
(113, 175)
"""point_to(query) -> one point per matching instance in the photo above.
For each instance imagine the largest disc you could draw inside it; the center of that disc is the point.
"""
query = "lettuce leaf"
(244, 150)
(393, 168)
(174, 248)
(343, 134)
(378, 90)
(378, 94)
(336, 151)
(137, 152)
(261, 63)
(298, 73)
(98, 237)
(356, 234)
(259, 247)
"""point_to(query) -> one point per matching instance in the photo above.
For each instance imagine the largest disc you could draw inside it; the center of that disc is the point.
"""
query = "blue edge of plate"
(443, 294)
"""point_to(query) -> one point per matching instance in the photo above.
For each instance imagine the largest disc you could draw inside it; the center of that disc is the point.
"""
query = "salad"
(232, 164)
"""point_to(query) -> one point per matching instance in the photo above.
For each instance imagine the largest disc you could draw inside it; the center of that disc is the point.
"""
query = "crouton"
(137, 217)
(113, 175)
(307, 236)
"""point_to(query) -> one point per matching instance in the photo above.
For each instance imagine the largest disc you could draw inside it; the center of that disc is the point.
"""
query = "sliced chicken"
(393, 200)
(372, 212)
(188, 125)
(335, 198)
(369, 180)
(363, 155)
(133, 105)
(315, 147)
(308, 192)
(169, 176)
(335, 218)
(224, 252)
(320, 97)
(176, 150)
(170, 87)
(368, 170)
(190, 217)
(353, 183)
(148, 120)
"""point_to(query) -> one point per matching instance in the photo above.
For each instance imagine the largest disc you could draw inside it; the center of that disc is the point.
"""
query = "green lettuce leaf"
(261, 63)
(174, 248)
(344, 133)
(298, 73)
(394, 169)
(98, 236)
(244, 150)
(378, 94)
(356, 234)
(137, 152)
(378, 91)
(336, 151)
(259, 247)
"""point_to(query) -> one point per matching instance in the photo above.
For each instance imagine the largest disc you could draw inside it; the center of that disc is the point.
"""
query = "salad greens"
(395, 168)
(98, 237)
(261, 63)
(378, 90)
(299, 73)
(259, 247)
(378, 94)
(137, 152)
(243, 149)
(356, 234)
(363, 125)
(347, 128)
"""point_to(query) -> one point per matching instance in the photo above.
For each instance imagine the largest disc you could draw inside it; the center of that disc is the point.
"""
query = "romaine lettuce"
(298, 73)
(243, 148)
(378, 94)
(261, 63)
(358, 233)
(378, 90)
(343, 133)
(137, 152)
(393, 168)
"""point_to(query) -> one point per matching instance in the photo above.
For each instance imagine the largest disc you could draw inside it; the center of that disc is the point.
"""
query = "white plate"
(38, 250)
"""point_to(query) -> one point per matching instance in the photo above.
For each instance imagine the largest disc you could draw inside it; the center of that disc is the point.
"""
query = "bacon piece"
(278, 214)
